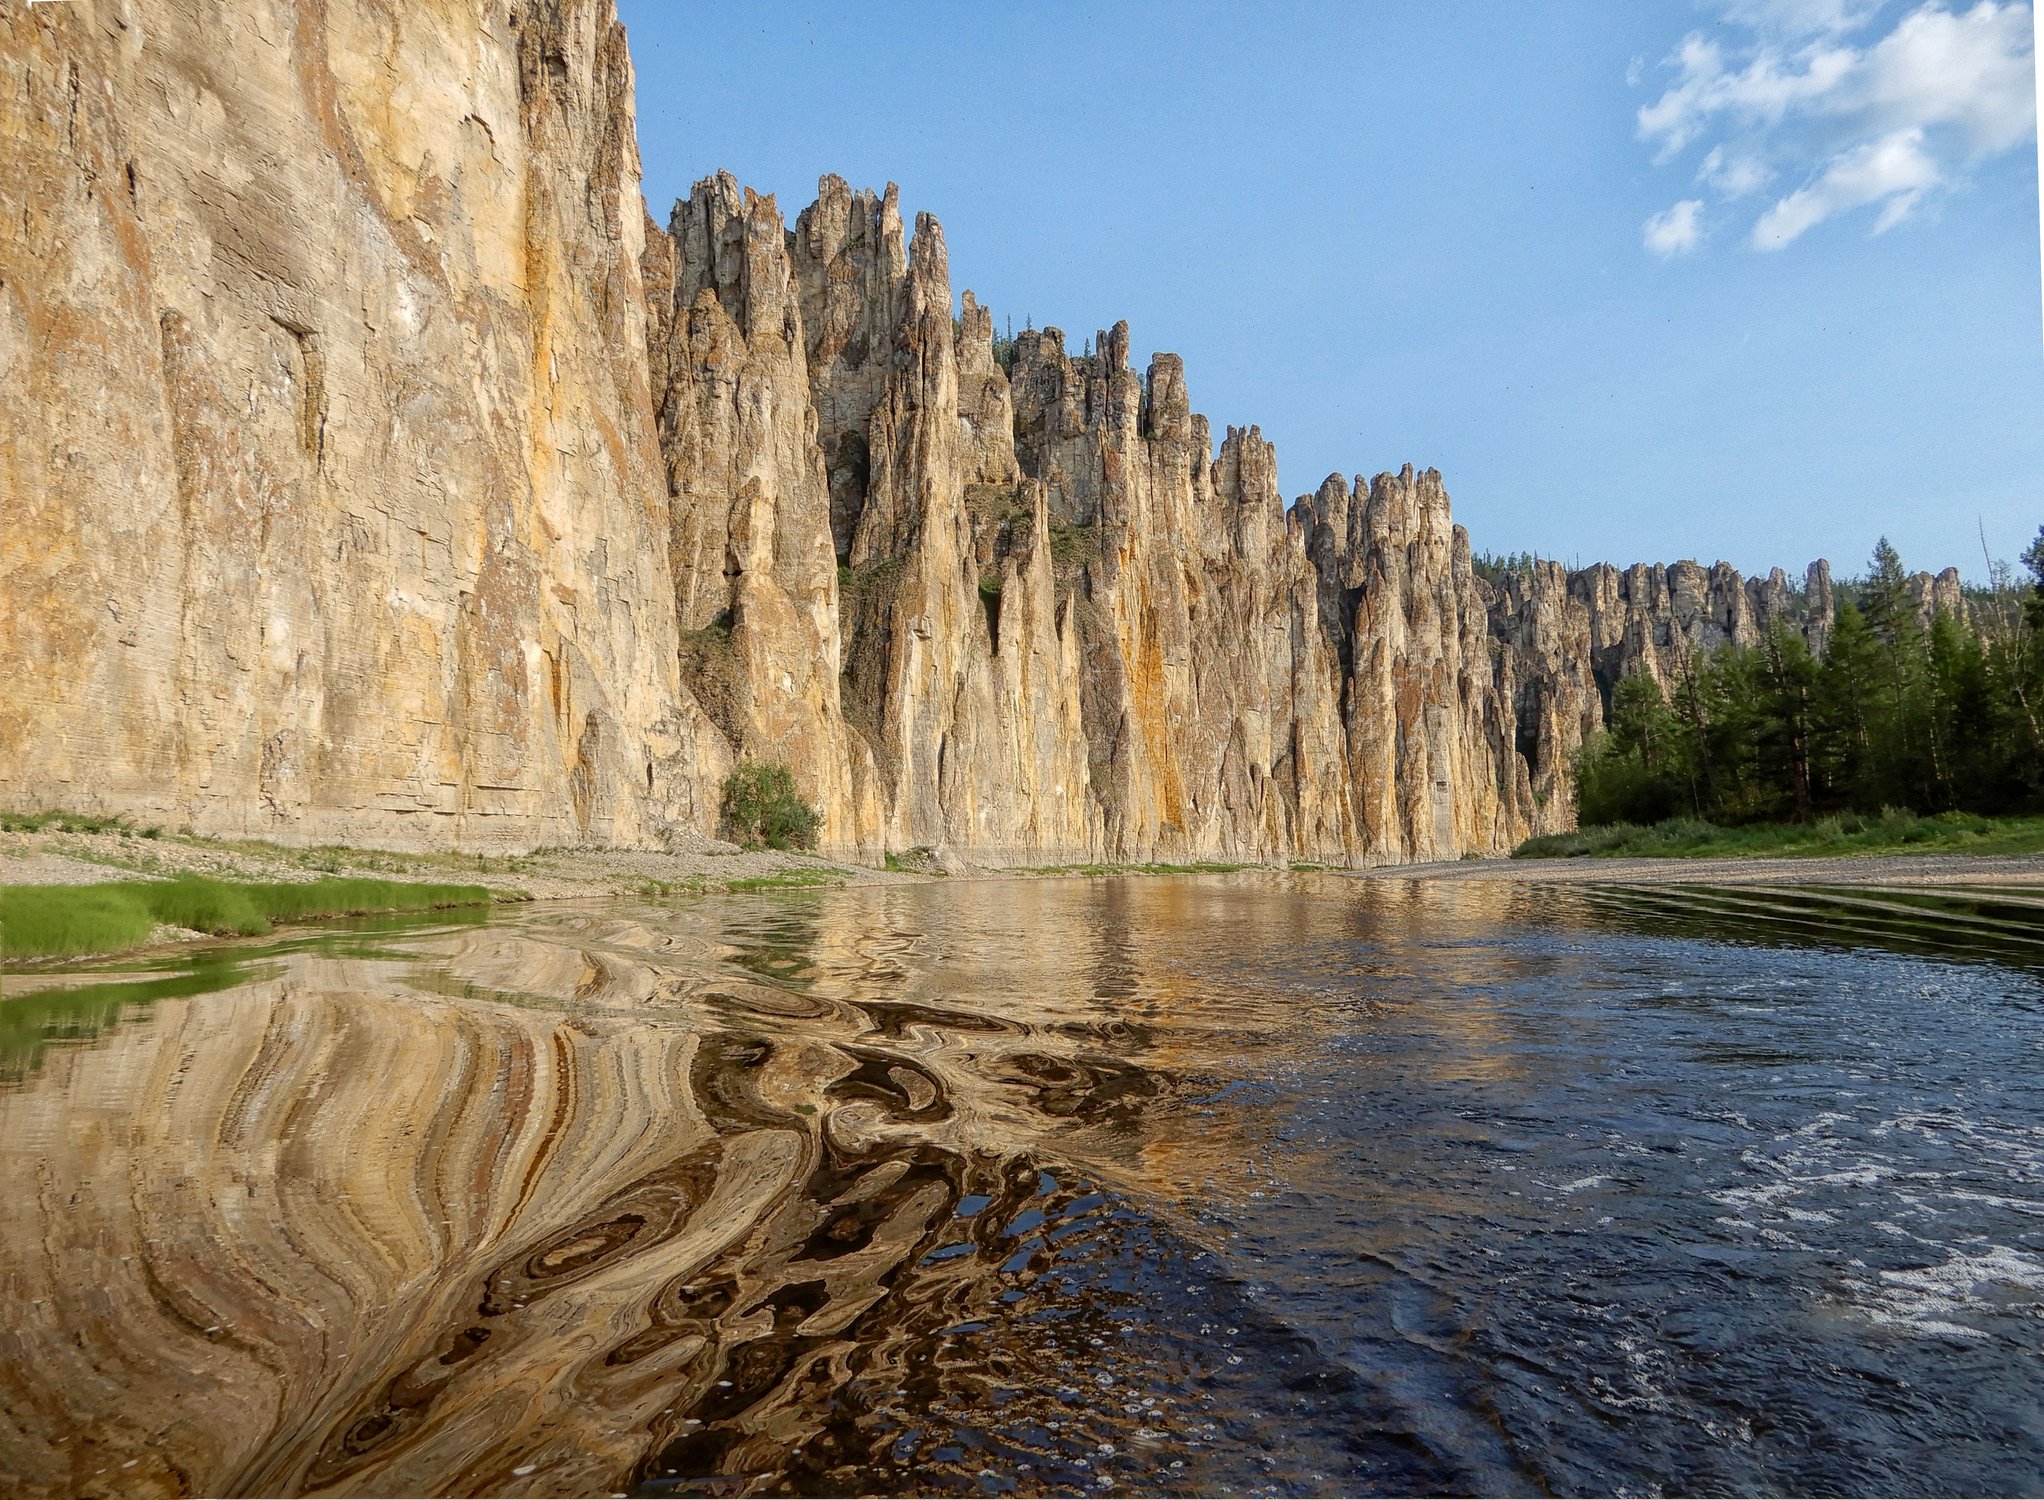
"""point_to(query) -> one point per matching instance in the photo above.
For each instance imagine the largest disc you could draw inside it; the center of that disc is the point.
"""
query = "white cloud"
(1674, 231)
(1800, 18)
(1894, 172)
(1971, 71)
(1761, 93)
(1733, 174)
(1787, 90)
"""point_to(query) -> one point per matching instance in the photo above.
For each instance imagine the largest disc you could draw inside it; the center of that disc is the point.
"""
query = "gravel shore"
(51, 858)
(708, 865)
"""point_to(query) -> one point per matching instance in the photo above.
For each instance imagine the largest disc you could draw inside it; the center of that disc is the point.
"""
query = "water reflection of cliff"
(580, 1200)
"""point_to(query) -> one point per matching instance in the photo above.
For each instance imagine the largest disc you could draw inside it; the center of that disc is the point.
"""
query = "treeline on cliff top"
(1946, 717)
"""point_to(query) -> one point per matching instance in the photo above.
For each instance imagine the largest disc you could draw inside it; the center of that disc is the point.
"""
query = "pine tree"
(1786, 750)
(1964, 745)
(1885, 594)
(1846, 762)
(1636, 772)
(1937, 716)
(2033, 559)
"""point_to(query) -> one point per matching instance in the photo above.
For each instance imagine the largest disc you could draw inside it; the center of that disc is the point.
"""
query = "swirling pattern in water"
(1230, 1184)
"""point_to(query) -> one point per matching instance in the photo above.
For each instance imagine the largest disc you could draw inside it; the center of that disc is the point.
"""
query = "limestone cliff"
(755, 574)
(1066, 626)
(380, 471)
(331, 480)
(1571, 637)
(1547, 629)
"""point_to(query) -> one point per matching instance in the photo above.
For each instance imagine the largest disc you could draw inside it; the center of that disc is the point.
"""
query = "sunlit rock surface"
(332, 486)
(377, 470)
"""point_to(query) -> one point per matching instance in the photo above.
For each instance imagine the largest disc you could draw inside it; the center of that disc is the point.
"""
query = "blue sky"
(1742, 279)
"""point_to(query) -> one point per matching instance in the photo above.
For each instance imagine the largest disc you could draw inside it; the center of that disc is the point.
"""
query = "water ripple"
(1230, 1184)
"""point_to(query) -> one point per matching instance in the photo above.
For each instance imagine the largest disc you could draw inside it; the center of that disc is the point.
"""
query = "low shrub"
(762, 809)
(67, 822)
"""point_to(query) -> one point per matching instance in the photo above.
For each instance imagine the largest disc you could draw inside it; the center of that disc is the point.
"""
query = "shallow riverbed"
(1168, 1185)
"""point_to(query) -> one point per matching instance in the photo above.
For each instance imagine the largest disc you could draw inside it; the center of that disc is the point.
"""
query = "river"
(1171, 1185)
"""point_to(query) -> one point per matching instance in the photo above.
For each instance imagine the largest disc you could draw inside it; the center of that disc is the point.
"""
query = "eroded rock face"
(400, 482)
(1067, 628)
(1546, 629)
(335, 512)
(1572, 637)
(1429, 712)
(392, 478)
(1937, 594)
(1654, 619)
(748, 504)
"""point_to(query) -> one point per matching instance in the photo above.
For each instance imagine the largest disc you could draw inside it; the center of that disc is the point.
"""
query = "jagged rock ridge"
(393, 478)
(1573, 636)
(1067, 627)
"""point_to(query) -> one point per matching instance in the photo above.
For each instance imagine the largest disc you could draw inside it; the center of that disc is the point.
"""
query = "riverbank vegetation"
(53, 921)
(70, 822)
(1198, 867)
(1761, 748)
(762, 809)
(1893, 832)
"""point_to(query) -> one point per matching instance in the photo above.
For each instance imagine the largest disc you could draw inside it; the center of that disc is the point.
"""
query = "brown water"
(1218, 1184)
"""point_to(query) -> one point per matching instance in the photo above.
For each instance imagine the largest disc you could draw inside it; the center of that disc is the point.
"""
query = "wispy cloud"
(1813, 91)
(1760, 93)
(1974, 72)
(1894, 172)
(1796, 19)
(1675, 231)
(1733, 174)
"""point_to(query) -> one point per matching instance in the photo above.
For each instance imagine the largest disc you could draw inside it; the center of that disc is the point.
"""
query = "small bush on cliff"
(763, 810)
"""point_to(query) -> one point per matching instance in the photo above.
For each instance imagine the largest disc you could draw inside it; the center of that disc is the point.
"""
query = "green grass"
(658, 889)
(68, 822)
(51, 921)
(921, 860)
(328, 858)
(787, 880)
(1892, 832)
(1205, 867)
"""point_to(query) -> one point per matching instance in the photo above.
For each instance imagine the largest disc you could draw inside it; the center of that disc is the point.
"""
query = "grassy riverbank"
(1841, 834)
(1200, 867)
(54, 921)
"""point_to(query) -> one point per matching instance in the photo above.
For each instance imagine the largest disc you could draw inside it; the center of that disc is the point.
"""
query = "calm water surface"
(1233, 1184)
